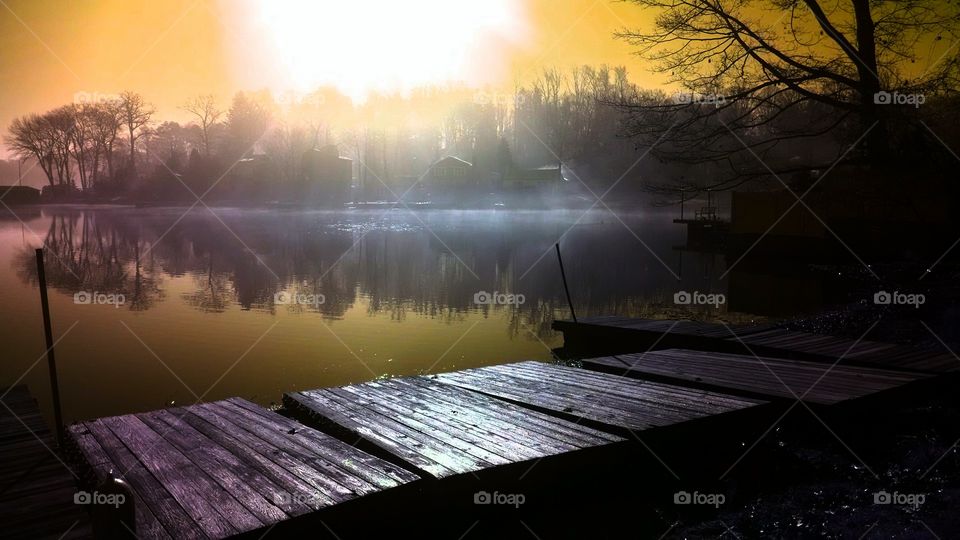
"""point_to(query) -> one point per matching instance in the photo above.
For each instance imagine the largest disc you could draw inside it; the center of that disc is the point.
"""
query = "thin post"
(681, 203)
(566, 289)
(51, 361)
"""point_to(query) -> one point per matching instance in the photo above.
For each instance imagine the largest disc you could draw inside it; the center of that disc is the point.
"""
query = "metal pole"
(566, 289)
(51, 361)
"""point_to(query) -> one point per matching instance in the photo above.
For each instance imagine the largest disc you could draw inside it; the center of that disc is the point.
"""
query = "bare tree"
(82, 142)
(205, 109)
(758, 73)
(28, 138)
(60, 125)
(135, 116)
(107, 124)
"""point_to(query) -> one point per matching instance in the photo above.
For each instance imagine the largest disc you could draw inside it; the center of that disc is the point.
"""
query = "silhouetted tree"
(205, 109)
(760, 73)
(135, 116)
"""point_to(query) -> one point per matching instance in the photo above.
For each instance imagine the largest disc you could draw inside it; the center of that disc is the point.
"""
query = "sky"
(54, 52)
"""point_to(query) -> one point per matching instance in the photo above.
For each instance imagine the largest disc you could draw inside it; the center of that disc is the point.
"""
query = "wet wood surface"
(813, 382)
(218, 469)
(610, 400)
(444, 430)
(37, 486)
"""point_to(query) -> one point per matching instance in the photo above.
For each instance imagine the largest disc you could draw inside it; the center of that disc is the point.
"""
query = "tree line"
(118, 147)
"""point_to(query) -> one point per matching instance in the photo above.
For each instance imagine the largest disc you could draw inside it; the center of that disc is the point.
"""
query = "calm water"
(383, 293)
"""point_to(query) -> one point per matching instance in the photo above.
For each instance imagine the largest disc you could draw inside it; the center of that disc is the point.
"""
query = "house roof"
(457, 161)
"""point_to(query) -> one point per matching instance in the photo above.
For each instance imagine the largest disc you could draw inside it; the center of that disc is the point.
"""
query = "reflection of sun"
(363, 45)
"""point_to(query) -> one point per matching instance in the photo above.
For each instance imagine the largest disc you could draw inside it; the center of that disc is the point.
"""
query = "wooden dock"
(219, 469)
(794, 344)
(767, 378)
(36, 487)
(442, 430)
(233, 469)
(617, 404)
(604, 336)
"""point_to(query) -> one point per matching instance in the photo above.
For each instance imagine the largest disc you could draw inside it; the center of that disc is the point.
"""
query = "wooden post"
(681, 203)
(51, 361)
(566, 289)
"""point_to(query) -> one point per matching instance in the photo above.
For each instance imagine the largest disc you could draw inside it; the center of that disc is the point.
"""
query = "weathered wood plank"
(298, 496)
(158, 514)
(545, 426)
(36, 485)
(815, 382)
(349, 418)
(252, 490)
(618, 402)
(611, 335)
(373, 470)
(444, 430)
(212, 508)
(215, 470)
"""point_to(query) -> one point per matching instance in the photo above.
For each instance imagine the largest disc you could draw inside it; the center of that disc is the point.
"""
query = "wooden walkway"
(615, 403)
(442, 430)
(601, 336)
(769, 378)
(36, 486)
(782, 342)
(218, 469)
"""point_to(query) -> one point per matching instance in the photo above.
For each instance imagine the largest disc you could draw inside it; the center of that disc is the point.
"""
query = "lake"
(159, 305)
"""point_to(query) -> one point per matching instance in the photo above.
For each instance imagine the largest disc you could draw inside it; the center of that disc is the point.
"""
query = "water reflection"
(203, 295)
(428, 265)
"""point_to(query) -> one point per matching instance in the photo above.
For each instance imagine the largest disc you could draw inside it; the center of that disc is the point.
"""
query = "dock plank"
(614, 335)
(780, 342)
(215, 470)
(443, 430)
(619, 403)
(36, 485)
(814, 382)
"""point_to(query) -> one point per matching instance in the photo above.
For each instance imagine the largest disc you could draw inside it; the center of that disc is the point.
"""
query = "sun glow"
(368, 45)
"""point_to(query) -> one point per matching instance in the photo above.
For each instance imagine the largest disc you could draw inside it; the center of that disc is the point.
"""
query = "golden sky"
(52, 51)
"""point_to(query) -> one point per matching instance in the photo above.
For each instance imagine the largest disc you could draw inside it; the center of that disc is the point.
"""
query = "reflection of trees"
(85, 251)
(392, 263)
(212, 291)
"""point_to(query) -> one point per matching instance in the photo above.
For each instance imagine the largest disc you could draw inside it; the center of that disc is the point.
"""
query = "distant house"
(540, 179)
(451, 172)
(328, 176)
(19, 195)
(59, 193)
(326, 165)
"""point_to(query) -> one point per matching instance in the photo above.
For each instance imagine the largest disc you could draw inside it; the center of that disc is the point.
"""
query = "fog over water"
(154, 305)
